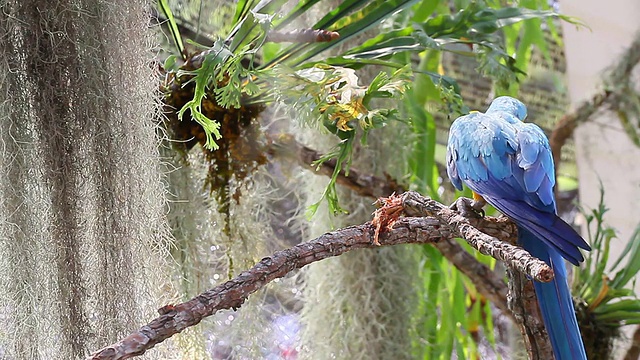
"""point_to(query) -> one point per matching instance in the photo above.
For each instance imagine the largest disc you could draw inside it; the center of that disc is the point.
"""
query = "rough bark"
(523, 303)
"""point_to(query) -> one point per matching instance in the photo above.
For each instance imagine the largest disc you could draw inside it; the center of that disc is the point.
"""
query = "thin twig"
(564, 128)
(302, 36)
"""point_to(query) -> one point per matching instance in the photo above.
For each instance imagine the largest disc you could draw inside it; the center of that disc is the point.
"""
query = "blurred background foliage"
(372, 86)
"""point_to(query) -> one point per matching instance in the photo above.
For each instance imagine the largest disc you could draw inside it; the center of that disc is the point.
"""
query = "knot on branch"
(389, 210)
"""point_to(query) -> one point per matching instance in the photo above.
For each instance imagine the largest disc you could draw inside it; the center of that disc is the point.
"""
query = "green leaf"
(342, 153)
(372, 44)
(629, 305)
(252, 30)
(301, 8)
(632, 253)
(423, 163)
(386, 86)
(435, 268)
(353, 25)
(242, 9)
(613, 304)
(617, 317)
(387, 48)
(270, 50)
(353, 63)
(424, 9)
(294, 50)
(173, 26)
(206, 77)
(265, 7)
(170, 64)
(342, 11)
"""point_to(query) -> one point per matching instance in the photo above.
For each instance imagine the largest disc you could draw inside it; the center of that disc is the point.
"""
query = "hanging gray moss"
(362, 304)
(82, 230)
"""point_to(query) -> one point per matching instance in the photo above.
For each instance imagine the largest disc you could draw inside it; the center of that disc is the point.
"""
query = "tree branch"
(232, 294)
(615, 92)
(523, 304)
(564, 128)
(522, 301)
(489, 284)
(302, 36)
(362, 184)
(514, 256)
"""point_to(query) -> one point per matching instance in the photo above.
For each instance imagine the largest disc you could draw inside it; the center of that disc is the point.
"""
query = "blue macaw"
(508, 163)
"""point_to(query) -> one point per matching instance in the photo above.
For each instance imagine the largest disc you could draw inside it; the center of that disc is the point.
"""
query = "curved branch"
(522, 304)
(232, 294)
(564, 128)
(487, 282)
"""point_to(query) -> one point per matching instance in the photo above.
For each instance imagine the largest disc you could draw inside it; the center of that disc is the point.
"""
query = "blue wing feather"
(533, 177)
(530, 144)
(545, 226)
(545, 193)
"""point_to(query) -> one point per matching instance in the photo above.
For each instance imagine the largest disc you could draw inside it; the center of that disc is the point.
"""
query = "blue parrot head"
(509, 105)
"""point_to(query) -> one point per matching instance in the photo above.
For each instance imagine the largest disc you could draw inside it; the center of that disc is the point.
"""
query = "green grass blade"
(372, 43)
(424, 10)
(242, 9)
(249, 22)
(433, 284)
(618, 316)
(630, 305)
(329, 19)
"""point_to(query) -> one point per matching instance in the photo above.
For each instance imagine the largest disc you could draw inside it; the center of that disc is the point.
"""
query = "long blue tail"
(556, 303)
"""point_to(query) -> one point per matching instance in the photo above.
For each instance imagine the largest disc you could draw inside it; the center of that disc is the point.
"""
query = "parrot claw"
(469, 208)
